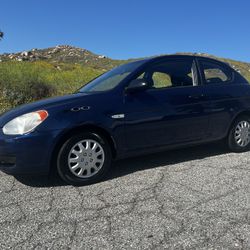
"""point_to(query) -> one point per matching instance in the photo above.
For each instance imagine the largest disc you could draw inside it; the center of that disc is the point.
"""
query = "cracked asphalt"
(196, 198)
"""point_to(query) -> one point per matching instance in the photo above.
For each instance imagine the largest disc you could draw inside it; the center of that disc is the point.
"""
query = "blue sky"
(129, 28)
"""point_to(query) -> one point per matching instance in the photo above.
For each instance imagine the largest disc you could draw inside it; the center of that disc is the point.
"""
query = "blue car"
(137, 108)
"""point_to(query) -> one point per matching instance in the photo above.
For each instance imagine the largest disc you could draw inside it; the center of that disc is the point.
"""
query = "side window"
(215, 73)
(171, 73)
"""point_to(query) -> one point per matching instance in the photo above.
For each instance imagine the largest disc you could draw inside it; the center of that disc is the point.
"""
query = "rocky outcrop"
(63, 53)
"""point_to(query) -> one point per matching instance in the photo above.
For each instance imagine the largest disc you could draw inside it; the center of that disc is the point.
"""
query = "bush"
(40, 90)
(23, 82)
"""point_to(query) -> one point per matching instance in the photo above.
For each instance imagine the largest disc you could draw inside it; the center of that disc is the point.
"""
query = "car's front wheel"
(84, 159)
(239, 135)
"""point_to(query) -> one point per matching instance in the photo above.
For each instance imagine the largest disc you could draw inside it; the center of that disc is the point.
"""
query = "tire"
(239, 135)
(84, 159)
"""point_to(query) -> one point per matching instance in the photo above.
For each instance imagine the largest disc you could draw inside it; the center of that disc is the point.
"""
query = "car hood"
(43, 104)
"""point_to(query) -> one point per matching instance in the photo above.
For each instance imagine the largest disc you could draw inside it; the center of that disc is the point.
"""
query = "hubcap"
(242, 133)
(86, 158)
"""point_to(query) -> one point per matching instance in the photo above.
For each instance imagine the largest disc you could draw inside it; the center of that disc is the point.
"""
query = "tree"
(1, 35)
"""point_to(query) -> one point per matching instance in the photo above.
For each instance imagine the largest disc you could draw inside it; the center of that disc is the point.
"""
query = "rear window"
(215, 73)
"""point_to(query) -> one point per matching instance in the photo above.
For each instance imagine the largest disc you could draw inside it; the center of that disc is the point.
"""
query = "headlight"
(25, 123)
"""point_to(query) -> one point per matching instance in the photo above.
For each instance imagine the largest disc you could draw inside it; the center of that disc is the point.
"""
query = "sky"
(124, 29)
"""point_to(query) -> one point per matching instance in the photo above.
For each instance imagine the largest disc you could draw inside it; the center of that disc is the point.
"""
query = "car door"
(172, 111)
(224, 94)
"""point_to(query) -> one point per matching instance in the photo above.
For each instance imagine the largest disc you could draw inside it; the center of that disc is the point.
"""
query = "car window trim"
(168, 88)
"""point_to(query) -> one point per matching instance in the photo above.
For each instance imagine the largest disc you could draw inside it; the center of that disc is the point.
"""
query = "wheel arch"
(79, 129)
(243, 113)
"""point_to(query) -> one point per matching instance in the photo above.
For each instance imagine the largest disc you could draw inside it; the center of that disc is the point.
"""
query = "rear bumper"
(27, 154)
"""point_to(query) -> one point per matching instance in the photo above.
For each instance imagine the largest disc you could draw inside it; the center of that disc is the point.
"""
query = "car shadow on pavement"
(131, 165)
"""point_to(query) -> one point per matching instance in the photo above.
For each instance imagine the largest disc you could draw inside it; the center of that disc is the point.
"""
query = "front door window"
(172, 73)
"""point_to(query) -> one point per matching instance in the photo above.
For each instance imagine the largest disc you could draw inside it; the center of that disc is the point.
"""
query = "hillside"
(73, 55)
(62, 54)
(31, 75)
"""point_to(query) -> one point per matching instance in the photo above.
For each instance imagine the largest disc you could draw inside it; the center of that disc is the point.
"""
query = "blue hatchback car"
(137, 108)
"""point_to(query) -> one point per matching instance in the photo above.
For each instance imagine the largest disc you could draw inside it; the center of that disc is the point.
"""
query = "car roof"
(179, 56)
(176, 56)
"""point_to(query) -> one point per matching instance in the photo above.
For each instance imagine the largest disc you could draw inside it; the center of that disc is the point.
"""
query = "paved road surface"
(196, 198)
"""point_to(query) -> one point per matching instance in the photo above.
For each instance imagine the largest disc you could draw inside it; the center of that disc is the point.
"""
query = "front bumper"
(27, 154)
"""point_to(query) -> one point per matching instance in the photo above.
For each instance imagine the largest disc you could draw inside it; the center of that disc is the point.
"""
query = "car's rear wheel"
(239, 135)
(84, 159)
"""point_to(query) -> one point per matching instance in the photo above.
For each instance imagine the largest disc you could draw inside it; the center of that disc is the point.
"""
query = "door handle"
(196, 96)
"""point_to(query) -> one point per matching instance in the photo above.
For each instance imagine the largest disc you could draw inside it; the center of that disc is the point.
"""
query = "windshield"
(111, 79)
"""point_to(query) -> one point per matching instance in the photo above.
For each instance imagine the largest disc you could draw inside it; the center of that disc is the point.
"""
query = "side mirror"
(137, 85)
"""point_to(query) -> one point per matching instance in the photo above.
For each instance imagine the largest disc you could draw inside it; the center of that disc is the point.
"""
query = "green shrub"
(40, 90)
(23, 82)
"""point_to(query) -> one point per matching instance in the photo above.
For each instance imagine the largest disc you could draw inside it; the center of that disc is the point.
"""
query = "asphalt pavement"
(196, 198)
